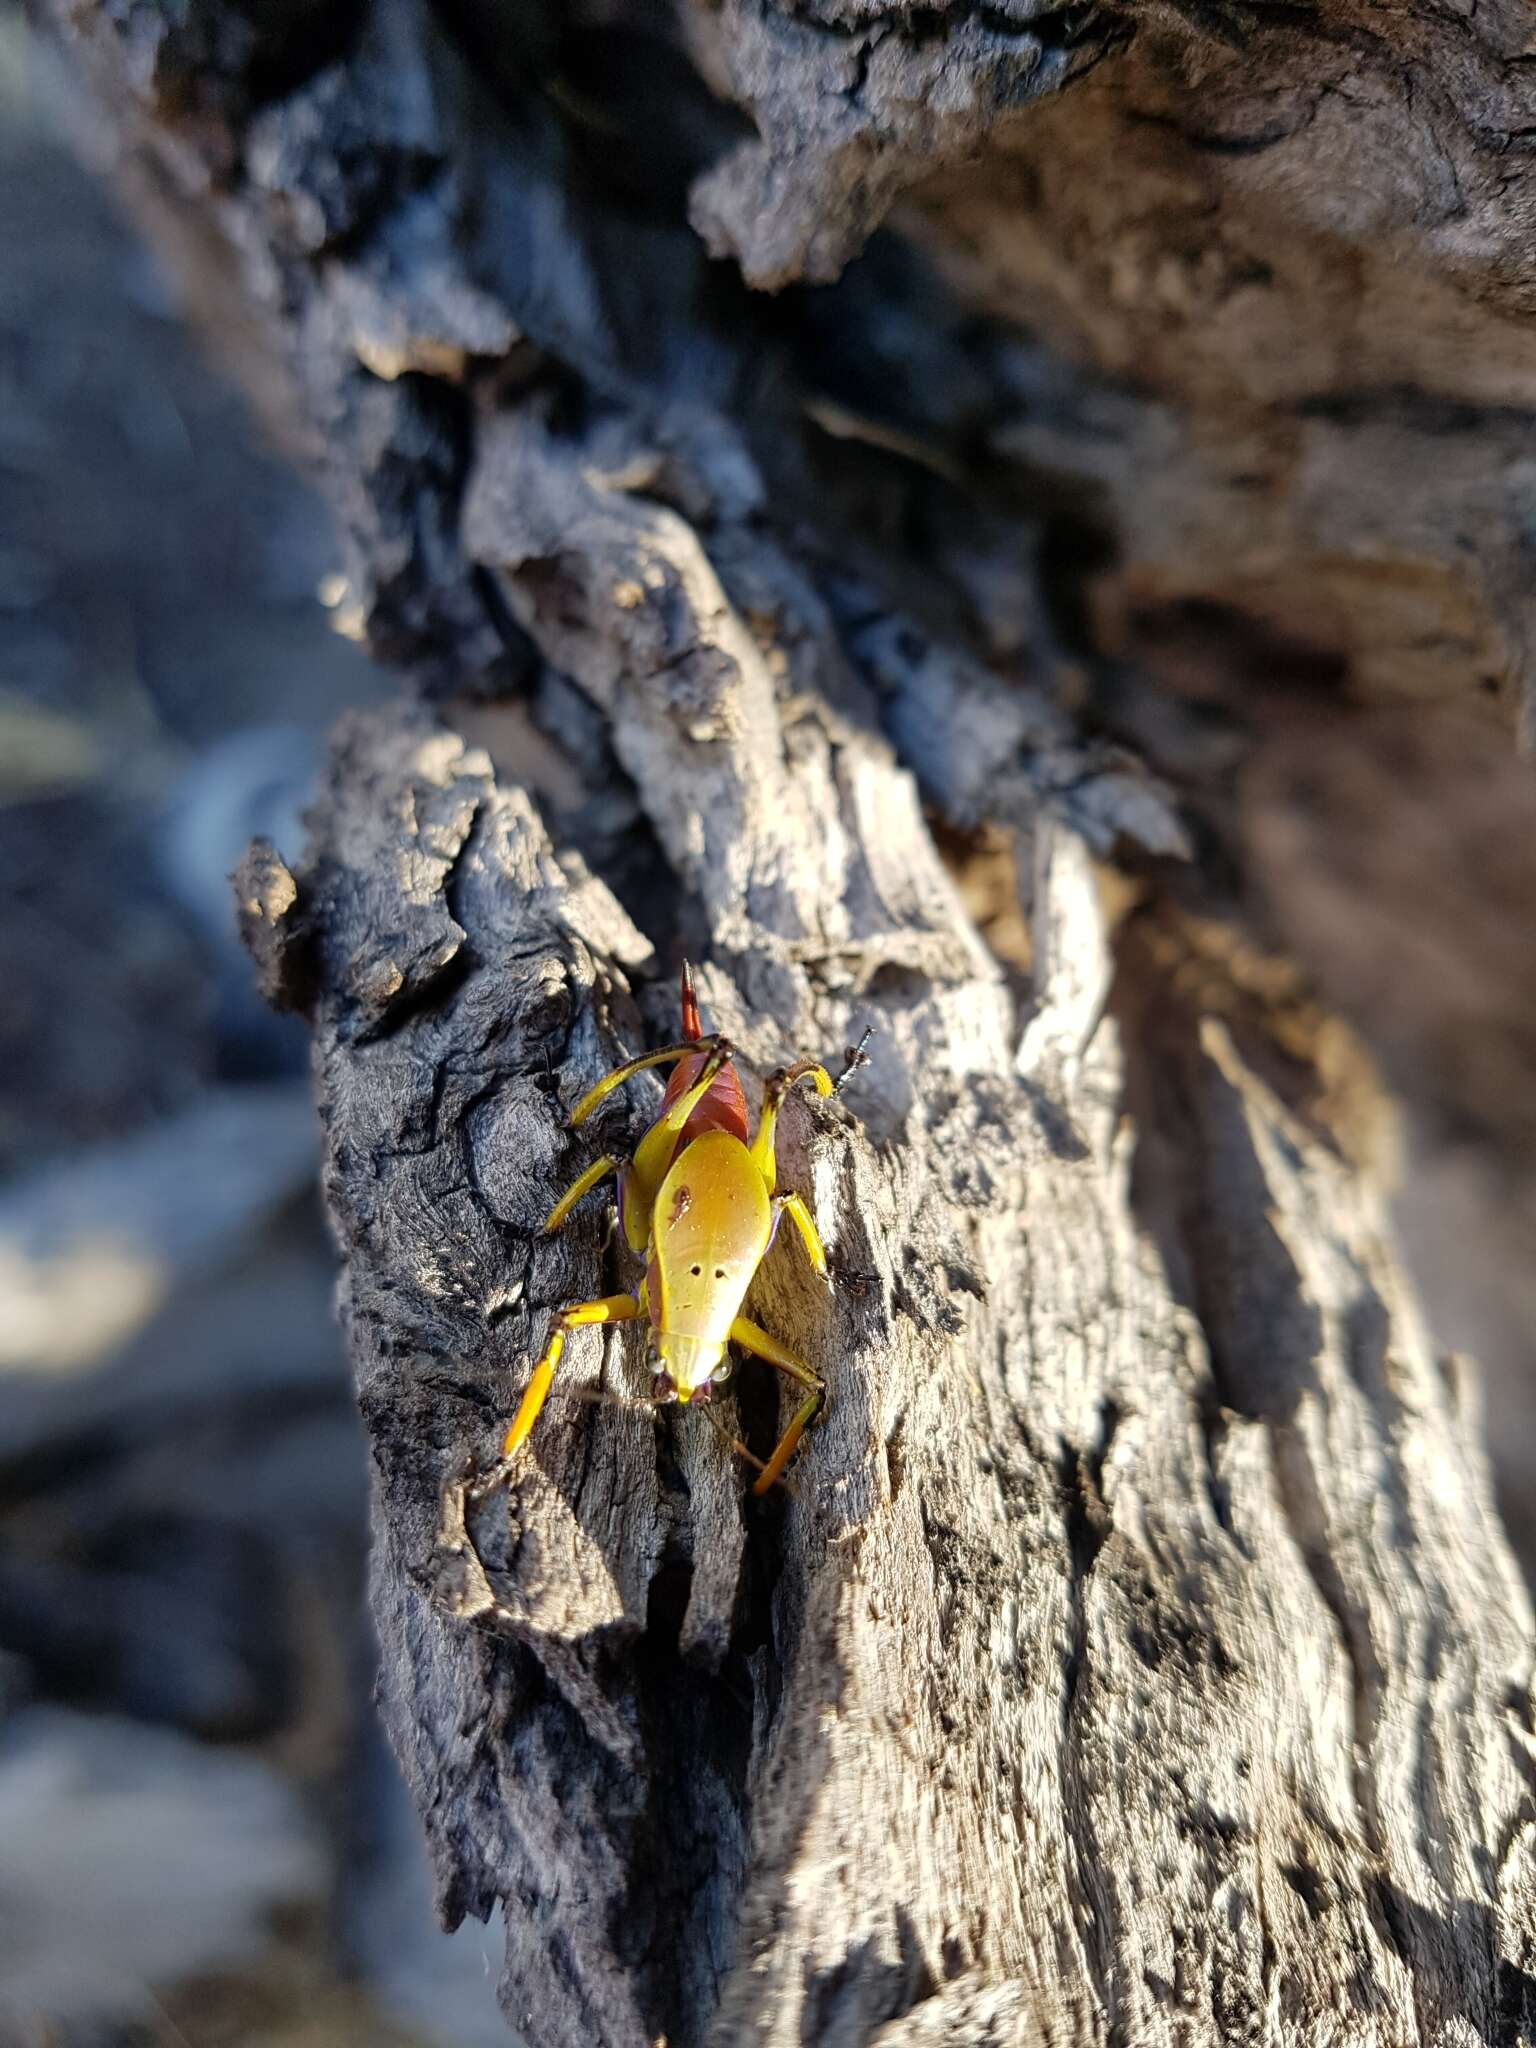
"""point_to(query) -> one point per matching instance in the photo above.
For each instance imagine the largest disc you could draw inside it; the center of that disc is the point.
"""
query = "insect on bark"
(700, 1207)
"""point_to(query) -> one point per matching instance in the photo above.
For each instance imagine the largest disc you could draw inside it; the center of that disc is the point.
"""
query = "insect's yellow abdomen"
(709, 1230)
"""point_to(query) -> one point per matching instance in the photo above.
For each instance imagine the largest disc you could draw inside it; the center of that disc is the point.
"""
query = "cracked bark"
(1136, 1658)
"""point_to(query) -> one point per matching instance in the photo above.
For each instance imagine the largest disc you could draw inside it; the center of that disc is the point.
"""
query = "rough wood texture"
(1137, 1658)
(1292, 246)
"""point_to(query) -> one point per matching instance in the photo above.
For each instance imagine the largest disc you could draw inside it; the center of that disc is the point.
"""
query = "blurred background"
(202, 1840)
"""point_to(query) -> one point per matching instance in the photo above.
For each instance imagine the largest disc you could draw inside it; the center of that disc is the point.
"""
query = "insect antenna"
(601, 1397)
(738, 1446)
(640, 1404)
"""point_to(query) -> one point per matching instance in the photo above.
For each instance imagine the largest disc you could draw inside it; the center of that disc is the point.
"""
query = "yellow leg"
(733, 1442)
(653, 1154)
(800, 1422)
(599, 1170)
(794, 1208)
(628, 1071)
(761, 1345)
(778, 1087)
(610, 1308)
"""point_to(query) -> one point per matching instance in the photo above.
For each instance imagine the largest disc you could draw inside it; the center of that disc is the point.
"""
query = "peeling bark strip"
(1135, 1659)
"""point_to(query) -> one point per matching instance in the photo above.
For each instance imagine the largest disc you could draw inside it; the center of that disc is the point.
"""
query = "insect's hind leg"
(653, 1155)
(601, 1090)
(778, 1086)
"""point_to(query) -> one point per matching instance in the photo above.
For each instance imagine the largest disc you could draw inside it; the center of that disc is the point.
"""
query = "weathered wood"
(1291, 248)
(1136, 1657)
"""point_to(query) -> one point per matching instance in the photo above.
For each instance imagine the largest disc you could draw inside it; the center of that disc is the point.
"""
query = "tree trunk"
(1134, 1656)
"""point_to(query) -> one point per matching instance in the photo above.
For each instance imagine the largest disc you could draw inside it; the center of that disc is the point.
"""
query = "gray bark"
(1135, 1657)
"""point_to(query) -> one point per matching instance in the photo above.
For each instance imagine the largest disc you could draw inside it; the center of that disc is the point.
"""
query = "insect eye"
(719, 1272)
(696, 1271)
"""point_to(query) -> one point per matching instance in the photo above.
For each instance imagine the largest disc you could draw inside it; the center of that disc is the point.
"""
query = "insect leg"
(794, 1208)
(609, 1308)
(653, 1155)
(857, 1056)
(716, 1052)
(761, 1345)
(599, 1170)
(778, 1087)
(604, 1088)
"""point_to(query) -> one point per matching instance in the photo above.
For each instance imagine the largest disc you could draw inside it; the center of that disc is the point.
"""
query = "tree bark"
(1135, 1656)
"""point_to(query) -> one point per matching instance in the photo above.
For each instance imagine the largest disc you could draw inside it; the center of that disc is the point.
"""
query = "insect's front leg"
(761, 1345)
(608, 1308)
